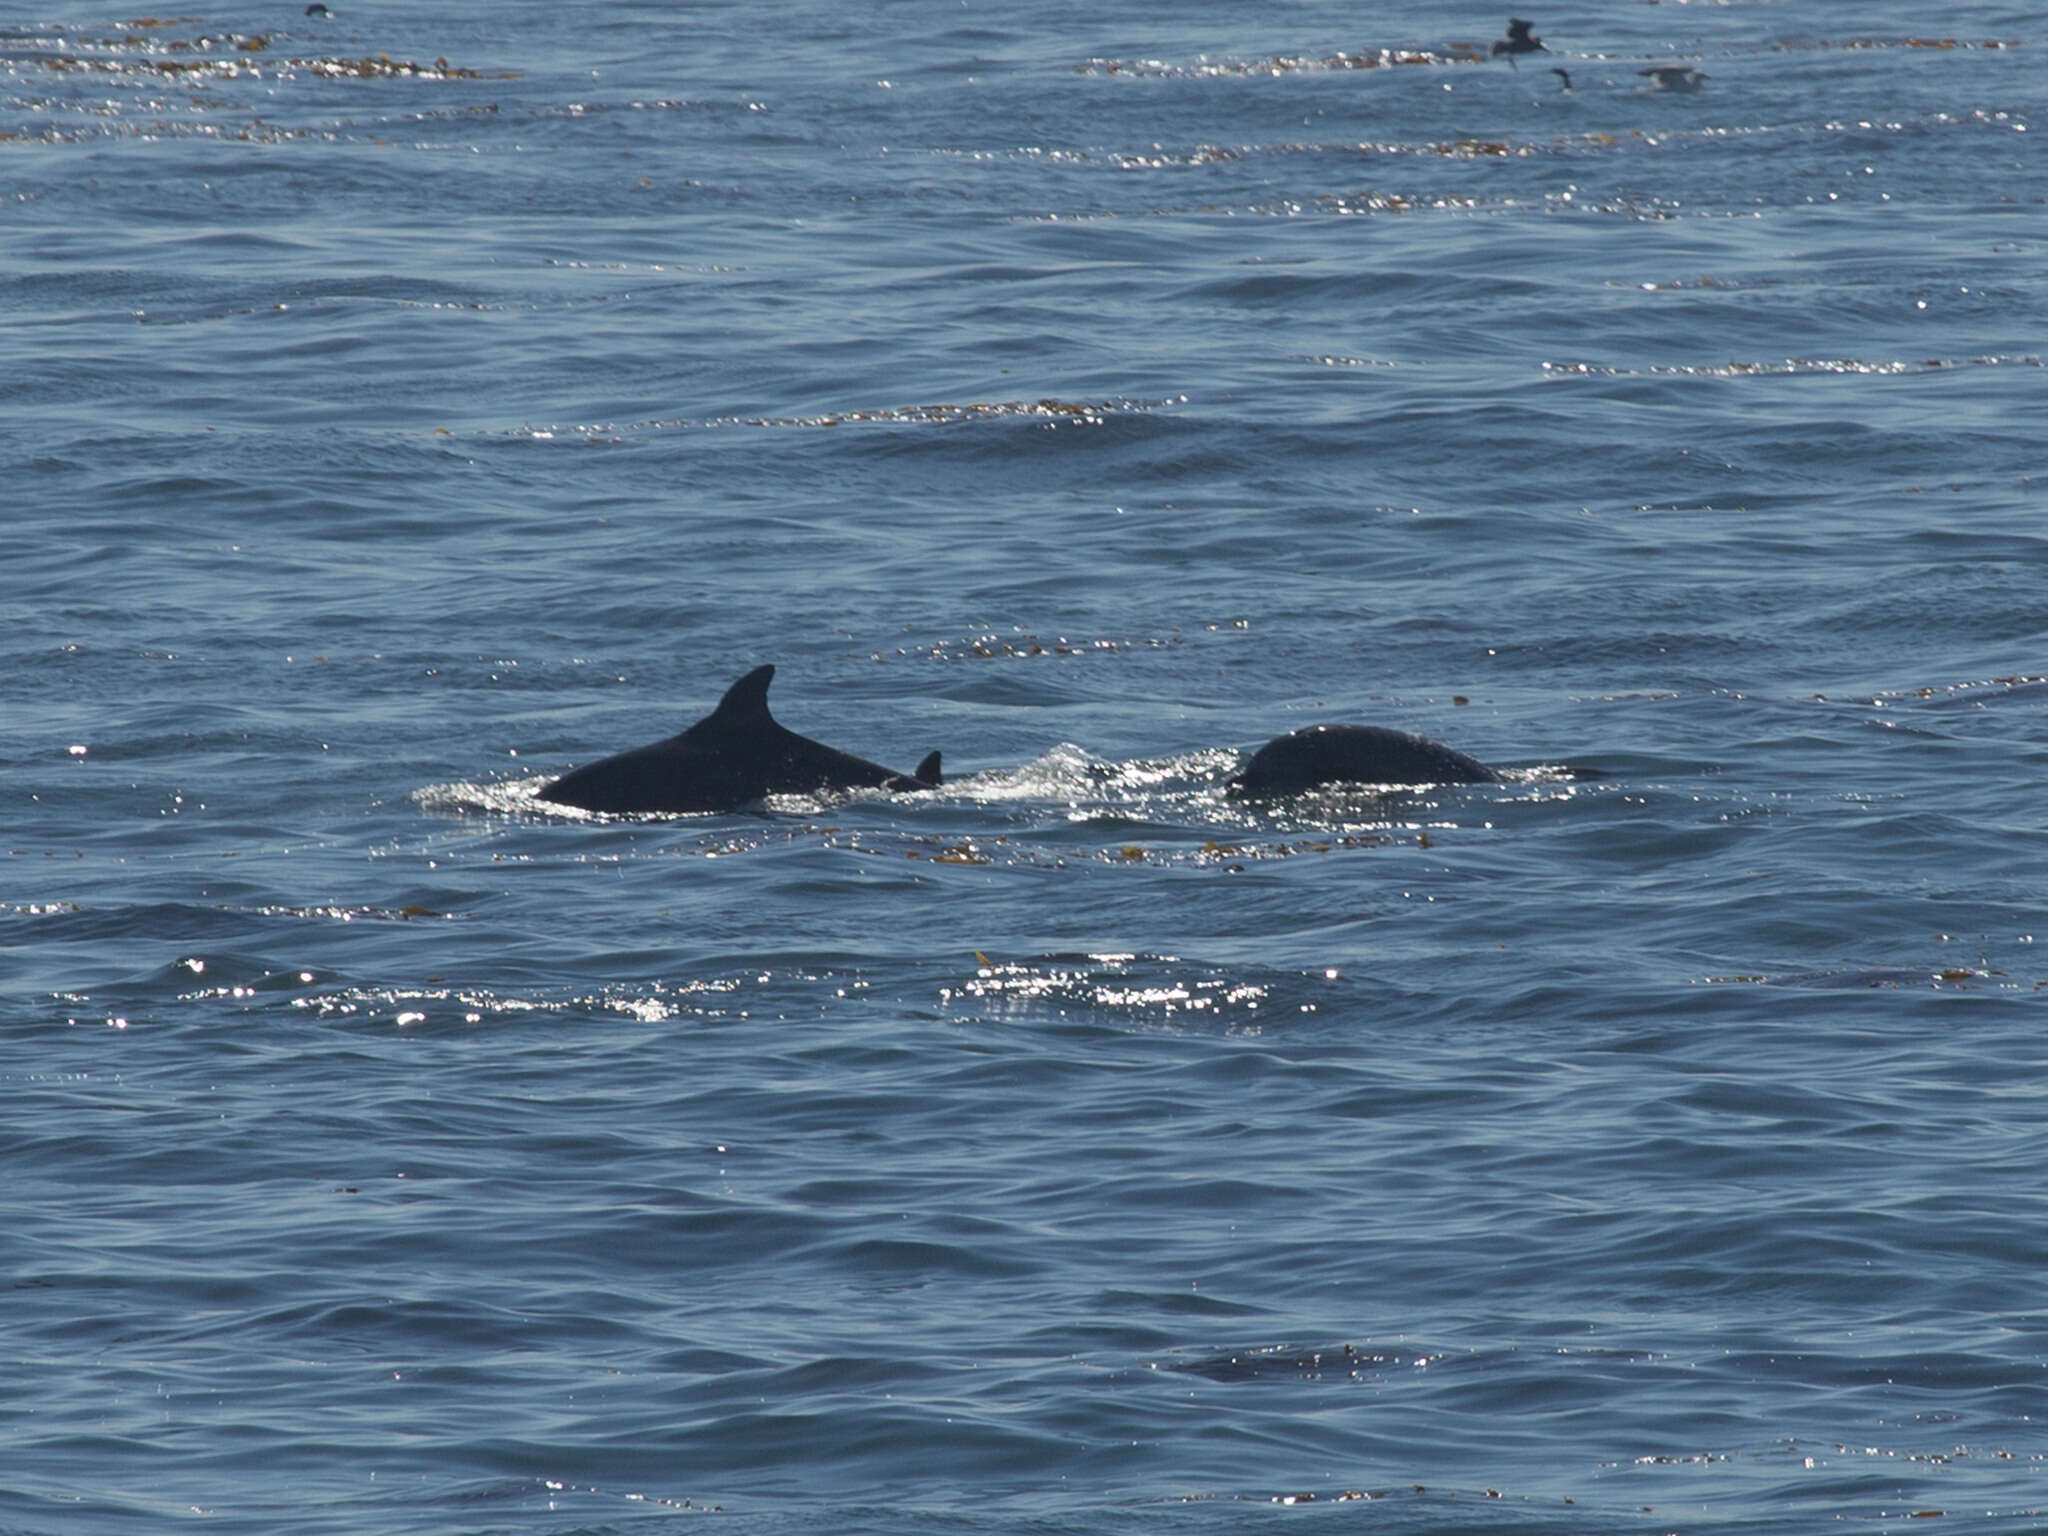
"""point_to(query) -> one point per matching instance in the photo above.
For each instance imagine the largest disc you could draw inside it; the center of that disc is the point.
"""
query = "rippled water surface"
(404, 405)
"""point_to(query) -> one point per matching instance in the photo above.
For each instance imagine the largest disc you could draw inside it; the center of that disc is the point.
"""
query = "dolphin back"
(733, 756)
(1354, 754)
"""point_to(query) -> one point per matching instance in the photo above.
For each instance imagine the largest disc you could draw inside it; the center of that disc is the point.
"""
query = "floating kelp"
(2028, 686)
(1469, 53)
(231, 55)
(1862, 44)
(384, 67)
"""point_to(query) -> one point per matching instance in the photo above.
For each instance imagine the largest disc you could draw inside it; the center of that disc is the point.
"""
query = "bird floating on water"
(1517, 41)
(1675, 77)
(1567, 79)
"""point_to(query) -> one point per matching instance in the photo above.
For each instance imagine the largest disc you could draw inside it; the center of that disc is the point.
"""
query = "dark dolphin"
(1517, 41)
(734, 755)
(1353, 754)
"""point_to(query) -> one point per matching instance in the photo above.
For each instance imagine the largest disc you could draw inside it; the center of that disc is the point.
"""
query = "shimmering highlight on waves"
(429, 1007)
(164, 48)
(1278, 64)
(1051, 413)
(1795, 365)
(1025, 645)
(1132, 991)
(1464, 53)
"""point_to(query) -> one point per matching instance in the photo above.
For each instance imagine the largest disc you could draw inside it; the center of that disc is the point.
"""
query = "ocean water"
(407, 404)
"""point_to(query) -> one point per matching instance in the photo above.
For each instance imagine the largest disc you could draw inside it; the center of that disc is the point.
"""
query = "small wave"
(1793, 366)
(1874, 44)
(521, 798)
(1049, 412)
(1280, 1362)
(149, 50)
(1284, 64)
(1024, 644)
(411, 1008)
(1961, 978)
(501, 797)
(2029, 688)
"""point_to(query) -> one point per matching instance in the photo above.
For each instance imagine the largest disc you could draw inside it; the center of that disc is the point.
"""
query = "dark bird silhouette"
(1517, 41)
(1567, 79)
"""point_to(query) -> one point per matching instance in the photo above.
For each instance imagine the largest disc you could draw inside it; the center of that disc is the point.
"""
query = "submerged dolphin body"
(1675, 77)
(1353, 754)
(734, 755)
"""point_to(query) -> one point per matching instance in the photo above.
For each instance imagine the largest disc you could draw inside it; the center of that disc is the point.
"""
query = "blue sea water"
(407, 404)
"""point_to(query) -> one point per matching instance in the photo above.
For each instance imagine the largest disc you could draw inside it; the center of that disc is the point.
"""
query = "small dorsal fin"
(928, 770)
(746, 698)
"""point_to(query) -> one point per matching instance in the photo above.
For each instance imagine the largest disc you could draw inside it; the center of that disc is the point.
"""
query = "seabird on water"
(1676, 77)
(1567, 79)
(1517, 41)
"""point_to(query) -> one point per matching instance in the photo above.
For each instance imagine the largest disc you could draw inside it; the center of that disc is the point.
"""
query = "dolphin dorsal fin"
(928, 770)
(746, 699)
